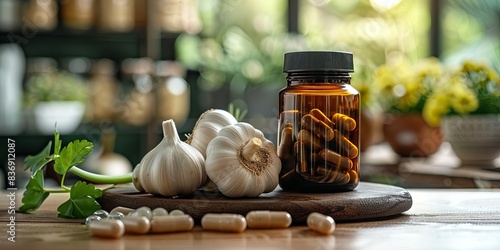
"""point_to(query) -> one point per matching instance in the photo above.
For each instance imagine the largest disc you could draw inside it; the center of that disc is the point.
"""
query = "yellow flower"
(435, 108)
(464, 101)
(430, 67)
(385, 78)
(410, 99)
(468, 91)
(470, 66)
(491, 74)
(414, 86)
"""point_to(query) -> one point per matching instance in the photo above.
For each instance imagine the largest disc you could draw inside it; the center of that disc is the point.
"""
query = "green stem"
(55, 191)
(110, 187)
(62, 183)
(101, 179)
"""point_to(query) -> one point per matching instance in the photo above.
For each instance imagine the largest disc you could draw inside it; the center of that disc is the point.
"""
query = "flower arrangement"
(404, 88)
(473, 89)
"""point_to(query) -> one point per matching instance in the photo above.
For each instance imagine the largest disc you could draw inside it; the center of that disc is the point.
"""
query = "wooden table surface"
(438, 219)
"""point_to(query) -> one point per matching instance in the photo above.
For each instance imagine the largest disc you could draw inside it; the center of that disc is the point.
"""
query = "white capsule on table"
(176, 212)
(171, 224)
(101, 213)
(107, 228)
(136, 224)
(133, 214)
(123, 210)
(144, 211)
(320, 223)
(91, 219)
(224, 222)
(159, 211)
(268, 219)
(115, 216)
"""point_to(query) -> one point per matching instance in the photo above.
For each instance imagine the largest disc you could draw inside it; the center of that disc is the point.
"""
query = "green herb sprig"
(82, 201)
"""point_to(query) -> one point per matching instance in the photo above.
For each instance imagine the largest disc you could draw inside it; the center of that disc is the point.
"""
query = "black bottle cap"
(332, 61)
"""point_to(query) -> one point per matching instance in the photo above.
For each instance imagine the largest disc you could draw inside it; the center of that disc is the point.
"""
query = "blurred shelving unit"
(61, 42)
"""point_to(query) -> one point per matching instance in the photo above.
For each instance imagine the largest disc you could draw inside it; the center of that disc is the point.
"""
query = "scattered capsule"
(123, 210)
(159, 211)
(268, 219)
(144, 211)
(224, 222)
(132, 214)
(91, 219)
(116, 216)
(107, 228)
(320, 223)
(176, 212)
(101, 213)
(171, 224)
(136, 224)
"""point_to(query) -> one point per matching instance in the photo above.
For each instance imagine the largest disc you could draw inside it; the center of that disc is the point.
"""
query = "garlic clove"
(207, 127)
(135, 178)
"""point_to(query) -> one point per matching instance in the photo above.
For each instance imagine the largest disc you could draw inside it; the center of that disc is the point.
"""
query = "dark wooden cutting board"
(367, 201)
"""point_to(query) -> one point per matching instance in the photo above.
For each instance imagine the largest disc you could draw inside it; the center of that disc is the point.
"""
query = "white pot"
(67, 114)
(475, 139)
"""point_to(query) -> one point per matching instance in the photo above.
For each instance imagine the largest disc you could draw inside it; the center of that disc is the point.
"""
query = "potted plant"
(467, 106)
(55, 97)
(404, 89)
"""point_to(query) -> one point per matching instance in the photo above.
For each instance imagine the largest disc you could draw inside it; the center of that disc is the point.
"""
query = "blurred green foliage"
(242, 42)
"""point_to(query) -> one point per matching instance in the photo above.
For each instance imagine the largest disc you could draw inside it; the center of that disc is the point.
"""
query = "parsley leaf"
(82, 201)
(71, 155)
(34, 194)
(35, 162)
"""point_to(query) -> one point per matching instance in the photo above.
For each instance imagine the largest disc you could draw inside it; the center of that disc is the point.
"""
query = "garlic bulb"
(242, 162)
(207, 127)
(173, 167)
(135, 178)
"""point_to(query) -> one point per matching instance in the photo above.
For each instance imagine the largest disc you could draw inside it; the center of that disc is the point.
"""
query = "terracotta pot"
(409, 135)
(475, 139)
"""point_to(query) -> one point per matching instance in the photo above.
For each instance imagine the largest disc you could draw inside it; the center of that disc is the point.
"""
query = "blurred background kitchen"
(110, 71)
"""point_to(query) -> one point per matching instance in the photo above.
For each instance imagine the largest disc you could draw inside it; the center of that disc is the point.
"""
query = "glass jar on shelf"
(173, 93)
(137, 96)
(78, 14)
(104, 88)
(116, 15)
(178, 16)
(41, 14)
(10, 11)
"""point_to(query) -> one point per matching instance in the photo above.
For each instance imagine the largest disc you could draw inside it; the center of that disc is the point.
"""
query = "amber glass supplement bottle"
(318, 128)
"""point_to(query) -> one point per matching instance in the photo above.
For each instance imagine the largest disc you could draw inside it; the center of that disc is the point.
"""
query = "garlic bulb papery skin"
(207, 127)
(242, 162)
(173, 167)
(135, 179)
